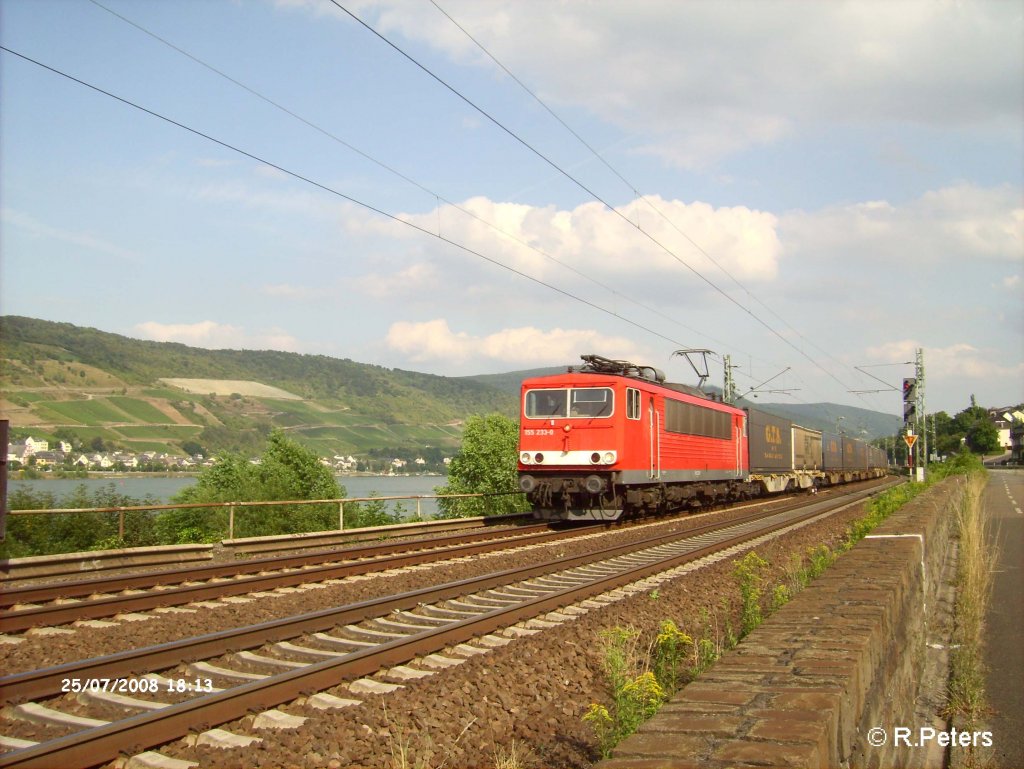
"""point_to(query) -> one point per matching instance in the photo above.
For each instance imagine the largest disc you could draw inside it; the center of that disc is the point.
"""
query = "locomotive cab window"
(591, 402)
(547, 404)
(575, 403)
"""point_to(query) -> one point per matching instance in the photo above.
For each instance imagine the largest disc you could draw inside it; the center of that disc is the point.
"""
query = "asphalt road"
(1004, 499)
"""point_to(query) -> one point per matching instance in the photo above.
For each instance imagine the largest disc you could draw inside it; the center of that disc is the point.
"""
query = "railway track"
(372, 644)
(81, 600)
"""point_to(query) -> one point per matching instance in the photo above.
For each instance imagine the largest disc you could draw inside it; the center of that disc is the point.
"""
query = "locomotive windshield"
(569, 403)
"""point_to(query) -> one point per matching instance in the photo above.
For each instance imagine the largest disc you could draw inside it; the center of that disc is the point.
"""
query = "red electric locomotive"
(612, 437)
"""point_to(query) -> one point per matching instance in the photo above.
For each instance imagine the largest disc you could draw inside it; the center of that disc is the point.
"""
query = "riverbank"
(162, 487)
(21, 475)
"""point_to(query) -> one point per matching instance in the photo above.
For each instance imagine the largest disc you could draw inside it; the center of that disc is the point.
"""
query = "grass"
(87, 412)
(159, 432)
(966, 687)
(139, 410)
(412, 748)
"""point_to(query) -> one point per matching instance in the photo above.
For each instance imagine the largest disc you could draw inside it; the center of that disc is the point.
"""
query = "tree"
(285, 471)
(947, 439)
(971, 427)
(983, 437)
(192, 448)
(486, 463)
(73, 532)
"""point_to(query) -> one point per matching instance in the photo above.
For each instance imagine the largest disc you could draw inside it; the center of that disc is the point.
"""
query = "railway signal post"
(910, 439)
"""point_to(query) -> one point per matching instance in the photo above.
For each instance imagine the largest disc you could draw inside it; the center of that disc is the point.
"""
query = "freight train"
(612, 439)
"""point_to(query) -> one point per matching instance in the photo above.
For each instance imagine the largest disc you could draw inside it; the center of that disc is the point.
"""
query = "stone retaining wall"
(844, 656)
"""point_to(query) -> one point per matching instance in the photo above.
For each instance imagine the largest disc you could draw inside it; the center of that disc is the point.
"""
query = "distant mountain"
(510, 381)
(92, 387)
(833, 417)
(93, 384)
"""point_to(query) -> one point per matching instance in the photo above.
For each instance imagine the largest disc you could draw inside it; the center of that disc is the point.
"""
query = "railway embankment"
(851, 672)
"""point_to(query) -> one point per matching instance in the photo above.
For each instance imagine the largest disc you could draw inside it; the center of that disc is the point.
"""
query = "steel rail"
(427, 551)
(19, 687)
(23, 619)
(10, 596)
(96, 745)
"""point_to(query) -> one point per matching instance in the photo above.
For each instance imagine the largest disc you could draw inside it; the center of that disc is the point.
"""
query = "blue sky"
(806, 187)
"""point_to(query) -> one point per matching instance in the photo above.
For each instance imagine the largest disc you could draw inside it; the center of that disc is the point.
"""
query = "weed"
(643, 696)
(748, 573)
(515, 756)
(820, 558)
(603, 724)
(729, 638)
(412, 749)
(705, 654)
(880, 508)
(780, 597)
(635, 690)
(671, 648)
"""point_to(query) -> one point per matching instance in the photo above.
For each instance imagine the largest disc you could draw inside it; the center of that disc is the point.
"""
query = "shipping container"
(770, 442)
(806, 449)
(831, 451)
(855, 454)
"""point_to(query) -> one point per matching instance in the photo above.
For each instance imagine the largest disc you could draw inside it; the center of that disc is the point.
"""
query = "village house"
(1004, 419)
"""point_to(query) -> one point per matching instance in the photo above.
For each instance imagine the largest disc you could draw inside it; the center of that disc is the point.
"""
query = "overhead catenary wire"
(484, 113)
(390, 169)
(338, 193)
(630, 185)
(399, 174)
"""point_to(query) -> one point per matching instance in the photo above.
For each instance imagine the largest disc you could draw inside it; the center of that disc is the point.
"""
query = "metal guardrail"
(232, 506)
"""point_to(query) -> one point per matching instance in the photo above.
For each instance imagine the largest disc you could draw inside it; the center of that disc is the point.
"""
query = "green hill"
(81, 382)
(510, 381)
(861, 423)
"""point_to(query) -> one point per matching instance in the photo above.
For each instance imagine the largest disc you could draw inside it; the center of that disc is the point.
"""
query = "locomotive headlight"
(595, 458)
(609, 457)
(538, 457)
(525, 458)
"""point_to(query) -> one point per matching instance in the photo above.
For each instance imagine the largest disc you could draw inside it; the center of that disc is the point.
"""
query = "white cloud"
(85, 240)
(593, 242)
(416, 280)
(214, 336)
(524, 346)
(959, 360)
(295, 293)
(943, 225)
(709, 79)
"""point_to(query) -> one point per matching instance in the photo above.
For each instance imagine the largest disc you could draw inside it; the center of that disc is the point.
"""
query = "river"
(163, 488)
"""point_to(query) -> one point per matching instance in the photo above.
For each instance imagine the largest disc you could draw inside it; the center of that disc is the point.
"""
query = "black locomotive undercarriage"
(602, 497)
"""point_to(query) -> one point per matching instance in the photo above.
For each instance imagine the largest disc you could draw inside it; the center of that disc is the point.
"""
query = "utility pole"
(922, 417)
(729, 386)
